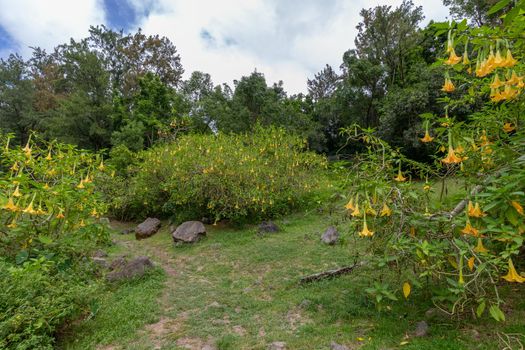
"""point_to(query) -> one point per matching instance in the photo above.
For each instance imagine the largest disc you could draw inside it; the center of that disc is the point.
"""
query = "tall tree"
(387, 36)
(474, 10)
(16, 98)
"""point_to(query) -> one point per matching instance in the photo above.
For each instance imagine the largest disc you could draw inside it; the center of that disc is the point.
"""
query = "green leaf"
(499, 6)
(480, 309)
(45, 239)
(21, 257)
(496, 313)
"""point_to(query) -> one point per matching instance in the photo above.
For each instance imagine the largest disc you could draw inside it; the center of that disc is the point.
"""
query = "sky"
(288, 40)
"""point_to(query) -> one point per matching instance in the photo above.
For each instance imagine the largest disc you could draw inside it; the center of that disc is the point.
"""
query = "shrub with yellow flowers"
(460, 251)
(49, 222)
(237, 177)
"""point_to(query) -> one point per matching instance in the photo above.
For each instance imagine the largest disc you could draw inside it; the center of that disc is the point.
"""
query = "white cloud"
(286, 40)
(50, 22)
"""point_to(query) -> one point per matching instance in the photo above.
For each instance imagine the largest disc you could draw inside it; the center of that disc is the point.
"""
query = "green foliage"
(37, 297)
(49, 223)
(234, 177)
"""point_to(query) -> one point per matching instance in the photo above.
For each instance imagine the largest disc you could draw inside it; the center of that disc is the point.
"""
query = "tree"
(324, 84)
(387, 36)
(474, 10)
(16, 98)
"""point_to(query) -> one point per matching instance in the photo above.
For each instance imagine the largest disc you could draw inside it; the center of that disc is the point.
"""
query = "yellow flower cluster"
(494, 61)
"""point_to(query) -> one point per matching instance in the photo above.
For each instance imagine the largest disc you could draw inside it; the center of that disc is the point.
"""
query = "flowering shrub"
(221, 176)
(466, 249)
(49, 220)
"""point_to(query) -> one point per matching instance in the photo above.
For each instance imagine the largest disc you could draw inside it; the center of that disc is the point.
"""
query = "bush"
(49, 223)
(233, 177)
(37, 298)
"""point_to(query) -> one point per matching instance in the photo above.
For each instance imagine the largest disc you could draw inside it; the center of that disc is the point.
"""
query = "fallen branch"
(330, 273)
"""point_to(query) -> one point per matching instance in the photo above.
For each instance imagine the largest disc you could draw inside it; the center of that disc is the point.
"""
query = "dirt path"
(160, 251)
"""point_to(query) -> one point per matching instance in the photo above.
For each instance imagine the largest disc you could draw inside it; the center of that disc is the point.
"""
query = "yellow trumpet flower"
(453, 58)
(27, 150)
(350, 205)
(17, 191)
(465, 58)
(512, 275)
(448, 86)
(400, 177)
(10, 205)
(508, 127)
(474, 210)
(470, 230)
(517, 206)
(427, 137)
(29, 210)
(385, 211)
(480, 248)
(509, 60)
(49, 155)
(60, 214)
(496, 83)
(81, 185)
(451, 157)
(356, 212)
(365, 232)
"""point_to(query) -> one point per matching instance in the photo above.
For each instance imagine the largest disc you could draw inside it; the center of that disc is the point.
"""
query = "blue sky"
(287, 40)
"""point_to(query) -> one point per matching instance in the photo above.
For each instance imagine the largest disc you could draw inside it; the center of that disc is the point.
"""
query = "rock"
(118, 263)
(330, 236)
(305, 303)
(127, 231)
(135, 268)
(100, 254)
(189, 232)
(434, 313)
(239, 330)
(421, 329)
(268, 227)
(277, 345)
(335, 346)
(208, 347)
(207, 221)
(101, 262)
(147, 229)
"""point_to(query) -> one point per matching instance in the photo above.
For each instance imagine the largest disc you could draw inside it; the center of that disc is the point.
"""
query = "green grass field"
(238, 290)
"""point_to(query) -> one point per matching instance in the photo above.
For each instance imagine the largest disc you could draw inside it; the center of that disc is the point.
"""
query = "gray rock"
(189, 232)
(100, 254)
(277, 345)
(330, 236)
(118, 263)
(100, 262)
(127, 231)
(147, 229)
(335, 346)
(135, 268)
(421, 329)
(268, 227)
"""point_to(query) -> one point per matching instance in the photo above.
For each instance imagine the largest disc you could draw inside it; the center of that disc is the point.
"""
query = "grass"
(238, 290)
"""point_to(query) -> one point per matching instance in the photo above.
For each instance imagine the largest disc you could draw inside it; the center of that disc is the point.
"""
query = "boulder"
(127, 231)
(268, 227)
(100, 262)
(277, 345)
(147, 229)
(189, 232)
(335, 346)
(132, 269)
(99, 254)
(330, 236)
(421, 329)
